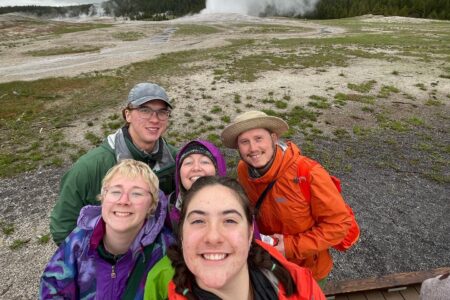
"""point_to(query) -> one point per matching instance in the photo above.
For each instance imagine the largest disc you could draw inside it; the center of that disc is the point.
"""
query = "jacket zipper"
(113, 271)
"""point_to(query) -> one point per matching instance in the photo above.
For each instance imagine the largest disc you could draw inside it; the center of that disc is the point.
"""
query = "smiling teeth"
(214, 256)
(122, 214)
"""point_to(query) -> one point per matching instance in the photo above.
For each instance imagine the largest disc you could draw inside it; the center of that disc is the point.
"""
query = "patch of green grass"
(214, 138)
(93, 138)
(44, 239)
(7, 229)
(207, 118)
(280, 104)
(367, 109)
(216, 109)
(194, 29)
(319, 102)
(128, 35)
(64, 27)
(341, 133)
(364, 87)
(395, 125)
(361, 131)
(63, 50)
(367, 99)
(433, 102)
(421, 86)
(225, 119)
(237, 99)
(19, 243)
(415, 121)
(386, 90)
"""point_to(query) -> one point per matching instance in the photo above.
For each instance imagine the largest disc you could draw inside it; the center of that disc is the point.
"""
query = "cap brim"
(143, 100)
(231, 132)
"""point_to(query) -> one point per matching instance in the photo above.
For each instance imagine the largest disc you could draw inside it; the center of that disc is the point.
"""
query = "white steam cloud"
(261, 7)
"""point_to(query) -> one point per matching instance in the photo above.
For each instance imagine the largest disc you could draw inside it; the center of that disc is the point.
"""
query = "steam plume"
(261, 7)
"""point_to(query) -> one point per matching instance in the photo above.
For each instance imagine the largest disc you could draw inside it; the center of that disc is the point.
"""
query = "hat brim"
(143, 100)
(231, 132)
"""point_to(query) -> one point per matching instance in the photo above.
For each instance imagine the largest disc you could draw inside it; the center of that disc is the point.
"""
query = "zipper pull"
(113, 272)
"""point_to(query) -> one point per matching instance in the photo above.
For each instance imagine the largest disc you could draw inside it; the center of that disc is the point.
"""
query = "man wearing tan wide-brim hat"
(303, 229)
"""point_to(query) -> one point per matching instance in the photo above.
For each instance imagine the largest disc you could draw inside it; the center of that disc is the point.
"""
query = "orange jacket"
(286, 211)
(307, 287)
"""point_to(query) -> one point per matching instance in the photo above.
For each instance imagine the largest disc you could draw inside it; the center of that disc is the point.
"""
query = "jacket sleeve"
(75, 188)
(58, 280)
(156, 286)
(332, 219)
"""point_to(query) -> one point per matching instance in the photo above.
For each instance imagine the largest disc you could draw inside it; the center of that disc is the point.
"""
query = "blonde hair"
(132, 169)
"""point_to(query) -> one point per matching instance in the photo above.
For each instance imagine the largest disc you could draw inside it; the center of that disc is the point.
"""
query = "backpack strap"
(304, 167)
(303, 172)
(263, 196)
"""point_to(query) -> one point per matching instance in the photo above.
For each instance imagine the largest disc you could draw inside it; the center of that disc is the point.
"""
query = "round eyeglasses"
(146, 113)
(135, 195)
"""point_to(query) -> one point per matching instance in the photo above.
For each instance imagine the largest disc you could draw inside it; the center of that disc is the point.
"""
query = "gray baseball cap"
(144, 92)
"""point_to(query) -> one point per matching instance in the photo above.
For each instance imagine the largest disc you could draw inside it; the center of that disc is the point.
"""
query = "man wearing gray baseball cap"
(146, 112)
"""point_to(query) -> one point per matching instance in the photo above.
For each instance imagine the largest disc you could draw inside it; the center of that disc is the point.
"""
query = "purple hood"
(219, 159)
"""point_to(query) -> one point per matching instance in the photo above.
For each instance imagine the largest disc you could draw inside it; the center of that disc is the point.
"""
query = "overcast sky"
(46, 2)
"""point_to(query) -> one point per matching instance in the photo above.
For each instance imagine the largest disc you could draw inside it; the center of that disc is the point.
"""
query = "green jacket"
(82, 182)
(157, 284)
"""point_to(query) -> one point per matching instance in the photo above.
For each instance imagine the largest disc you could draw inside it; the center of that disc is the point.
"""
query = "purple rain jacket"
(76, 271)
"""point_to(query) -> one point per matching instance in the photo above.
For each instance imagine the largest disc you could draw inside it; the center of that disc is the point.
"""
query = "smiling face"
(146, 132)
(216, 238)
(195, 166)
(126, 204)
(257, 146)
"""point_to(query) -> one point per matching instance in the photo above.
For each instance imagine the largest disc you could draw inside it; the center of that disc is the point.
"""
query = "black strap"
(262, 196)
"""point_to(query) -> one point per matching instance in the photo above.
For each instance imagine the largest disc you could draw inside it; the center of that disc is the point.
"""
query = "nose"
(124, 198)
(251, 146)
(154, 117)
(213, 234)
(196, 166)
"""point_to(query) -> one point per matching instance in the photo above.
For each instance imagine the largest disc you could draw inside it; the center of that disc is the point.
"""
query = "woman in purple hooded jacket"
(195, 159)
(115, 245)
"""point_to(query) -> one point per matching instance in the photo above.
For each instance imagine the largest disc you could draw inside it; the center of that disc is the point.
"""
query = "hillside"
(368, 97)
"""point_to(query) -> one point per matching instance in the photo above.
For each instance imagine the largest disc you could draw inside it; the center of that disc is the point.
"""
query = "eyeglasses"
(135, 195)
(146, 113)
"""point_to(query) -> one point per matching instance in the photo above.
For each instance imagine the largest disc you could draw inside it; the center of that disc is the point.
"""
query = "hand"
(279, 245)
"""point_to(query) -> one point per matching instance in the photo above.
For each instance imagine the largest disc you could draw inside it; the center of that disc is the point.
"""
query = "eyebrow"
(225, 212)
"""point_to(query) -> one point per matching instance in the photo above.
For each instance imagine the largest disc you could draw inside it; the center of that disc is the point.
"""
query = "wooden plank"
(374, 295)
(381, 282)
(392, 295)
(410, 293)
(356, 296)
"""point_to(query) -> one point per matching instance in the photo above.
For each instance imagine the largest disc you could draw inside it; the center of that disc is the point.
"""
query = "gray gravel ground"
(403, 217)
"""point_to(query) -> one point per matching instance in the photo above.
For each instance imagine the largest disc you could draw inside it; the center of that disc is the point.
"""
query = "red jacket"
(307, 287)
(309, 228)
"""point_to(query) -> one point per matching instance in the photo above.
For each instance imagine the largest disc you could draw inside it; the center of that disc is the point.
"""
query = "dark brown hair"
(257, 257)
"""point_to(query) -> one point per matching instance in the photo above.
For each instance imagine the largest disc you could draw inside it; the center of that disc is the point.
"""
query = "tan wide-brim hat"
(251, 120)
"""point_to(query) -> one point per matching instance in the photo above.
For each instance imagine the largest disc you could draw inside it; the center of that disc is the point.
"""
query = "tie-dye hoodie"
(76, 270)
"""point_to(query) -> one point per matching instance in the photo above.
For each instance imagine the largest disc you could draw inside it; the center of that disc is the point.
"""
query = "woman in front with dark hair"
(217, 257)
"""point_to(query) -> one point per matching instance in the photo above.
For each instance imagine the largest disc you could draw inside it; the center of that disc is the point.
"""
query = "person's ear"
(274, 137)
(250, 234)
(127, 115)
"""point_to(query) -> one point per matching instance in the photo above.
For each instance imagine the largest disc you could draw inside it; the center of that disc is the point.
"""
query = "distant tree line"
(334, 9)
(152, 9)
(325, 9)
(51, 11)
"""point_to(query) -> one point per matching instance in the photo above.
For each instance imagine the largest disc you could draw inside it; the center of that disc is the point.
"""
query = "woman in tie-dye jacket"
(115, 245)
